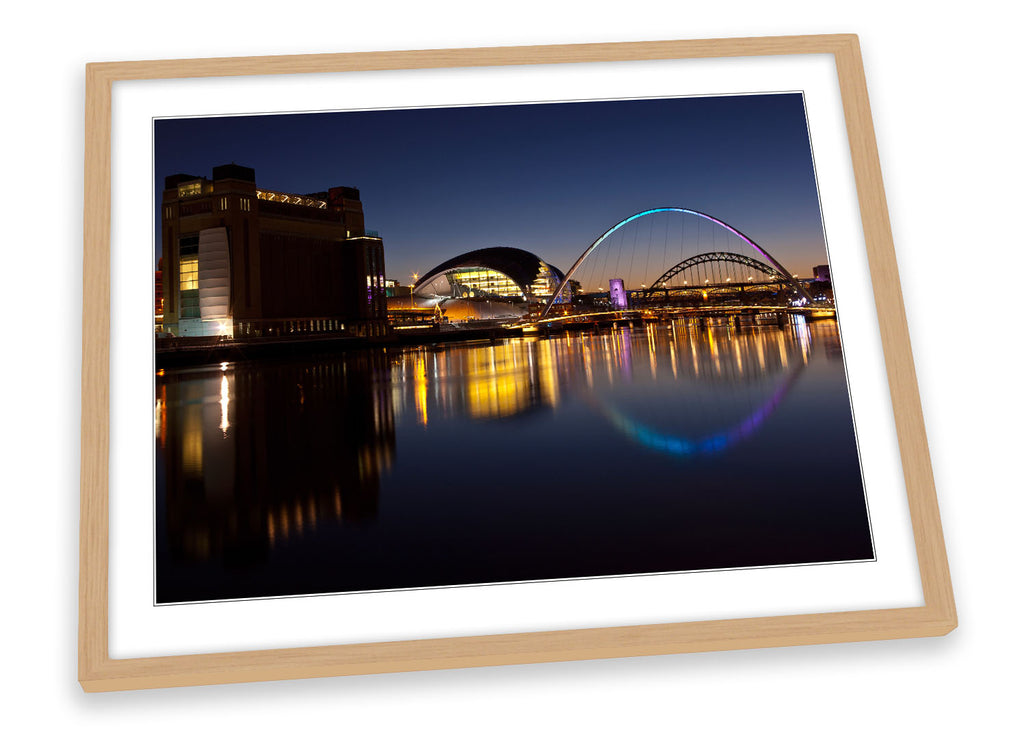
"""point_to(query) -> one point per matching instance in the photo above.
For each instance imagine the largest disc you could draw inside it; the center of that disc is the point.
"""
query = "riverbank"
(179, 352)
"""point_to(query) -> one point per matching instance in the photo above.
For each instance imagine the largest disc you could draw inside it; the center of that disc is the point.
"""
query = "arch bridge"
(719, 257)
(772, 267)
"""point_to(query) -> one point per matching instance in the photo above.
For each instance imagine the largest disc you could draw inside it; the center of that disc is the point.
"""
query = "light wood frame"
(97, 671)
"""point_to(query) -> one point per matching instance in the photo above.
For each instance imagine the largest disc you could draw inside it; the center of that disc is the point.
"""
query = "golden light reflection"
(499, 379)
(605, 340)
(493, 387)
(192, 440)
(420, 388)
(225, 400)
(548, 374)
(652, 350)
(161, 416)
(588, 362)
(714, 351)
(693, 355)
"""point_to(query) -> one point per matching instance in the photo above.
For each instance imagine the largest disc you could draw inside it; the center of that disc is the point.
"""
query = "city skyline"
(548, 177)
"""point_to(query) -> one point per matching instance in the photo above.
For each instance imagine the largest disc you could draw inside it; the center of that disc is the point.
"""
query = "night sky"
(548, 178)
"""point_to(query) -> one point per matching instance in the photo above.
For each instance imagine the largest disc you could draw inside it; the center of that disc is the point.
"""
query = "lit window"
(190, 189)
(189, 273)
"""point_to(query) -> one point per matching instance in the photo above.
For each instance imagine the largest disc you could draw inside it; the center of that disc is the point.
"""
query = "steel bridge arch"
(684, 210)
(717, 256)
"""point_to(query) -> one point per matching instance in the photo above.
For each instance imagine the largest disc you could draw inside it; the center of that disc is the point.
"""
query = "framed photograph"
(438, 359)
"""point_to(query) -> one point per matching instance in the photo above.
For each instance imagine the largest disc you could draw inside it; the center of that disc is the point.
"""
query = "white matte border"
(137, 628)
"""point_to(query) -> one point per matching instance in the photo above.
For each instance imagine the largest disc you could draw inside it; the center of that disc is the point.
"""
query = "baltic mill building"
(243, 261)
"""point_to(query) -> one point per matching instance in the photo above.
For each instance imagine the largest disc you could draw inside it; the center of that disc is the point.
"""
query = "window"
(188, 245)
(190, 189)
(190, 304)
(189, 273)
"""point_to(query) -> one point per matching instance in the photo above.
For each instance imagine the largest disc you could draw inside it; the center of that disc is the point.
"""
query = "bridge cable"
(622, 237)
(632, 254)
(604, 267)
(682, 236)
(664, 256)
(650, 243)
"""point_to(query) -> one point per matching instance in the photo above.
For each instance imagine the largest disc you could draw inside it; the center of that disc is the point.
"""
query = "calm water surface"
(638, 450)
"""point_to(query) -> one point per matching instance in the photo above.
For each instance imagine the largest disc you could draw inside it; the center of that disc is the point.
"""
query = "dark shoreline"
(176, 353)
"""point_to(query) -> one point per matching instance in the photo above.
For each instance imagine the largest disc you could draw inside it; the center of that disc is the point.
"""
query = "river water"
(640, 450)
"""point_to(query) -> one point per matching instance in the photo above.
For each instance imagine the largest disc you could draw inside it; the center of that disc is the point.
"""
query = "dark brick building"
(245, 261)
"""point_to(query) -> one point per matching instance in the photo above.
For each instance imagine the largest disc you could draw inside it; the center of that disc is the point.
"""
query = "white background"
(944, 93)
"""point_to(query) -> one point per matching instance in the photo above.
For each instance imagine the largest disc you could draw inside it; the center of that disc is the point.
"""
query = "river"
(637, 450)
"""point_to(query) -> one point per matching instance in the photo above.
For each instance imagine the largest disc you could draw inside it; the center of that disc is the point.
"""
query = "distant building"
(393, 288)
(158, 293)
(244, 261)
(493, 273)
(617, 294)
(822, 273)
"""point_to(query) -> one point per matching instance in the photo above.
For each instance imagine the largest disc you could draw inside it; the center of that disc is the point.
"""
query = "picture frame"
(99, 671)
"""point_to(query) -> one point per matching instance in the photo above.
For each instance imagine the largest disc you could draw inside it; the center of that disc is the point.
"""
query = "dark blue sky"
(548, 178)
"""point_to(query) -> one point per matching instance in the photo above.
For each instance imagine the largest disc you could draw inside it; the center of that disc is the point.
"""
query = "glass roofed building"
(491, 273)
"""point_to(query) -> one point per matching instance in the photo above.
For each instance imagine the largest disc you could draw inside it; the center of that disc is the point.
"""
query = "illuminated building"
(244, 261)
(617, 293)
(492, 273)
(822, 273)
(393, 288)
(158, 289)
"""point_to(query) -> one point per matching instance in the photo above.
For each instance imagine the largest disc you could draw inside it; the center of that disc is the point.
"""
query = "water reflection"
(479, 381)
(494, 381)
(254, 456)
(430, 465)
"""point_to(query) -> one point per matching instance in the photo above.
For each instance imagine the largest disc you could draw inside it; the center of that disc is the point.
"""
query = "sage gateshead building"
(243, 261)
(495, 273)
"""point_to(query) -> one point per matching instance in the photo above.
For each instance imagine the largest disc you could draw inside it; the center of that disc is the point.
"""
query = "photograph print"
(463, 346)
